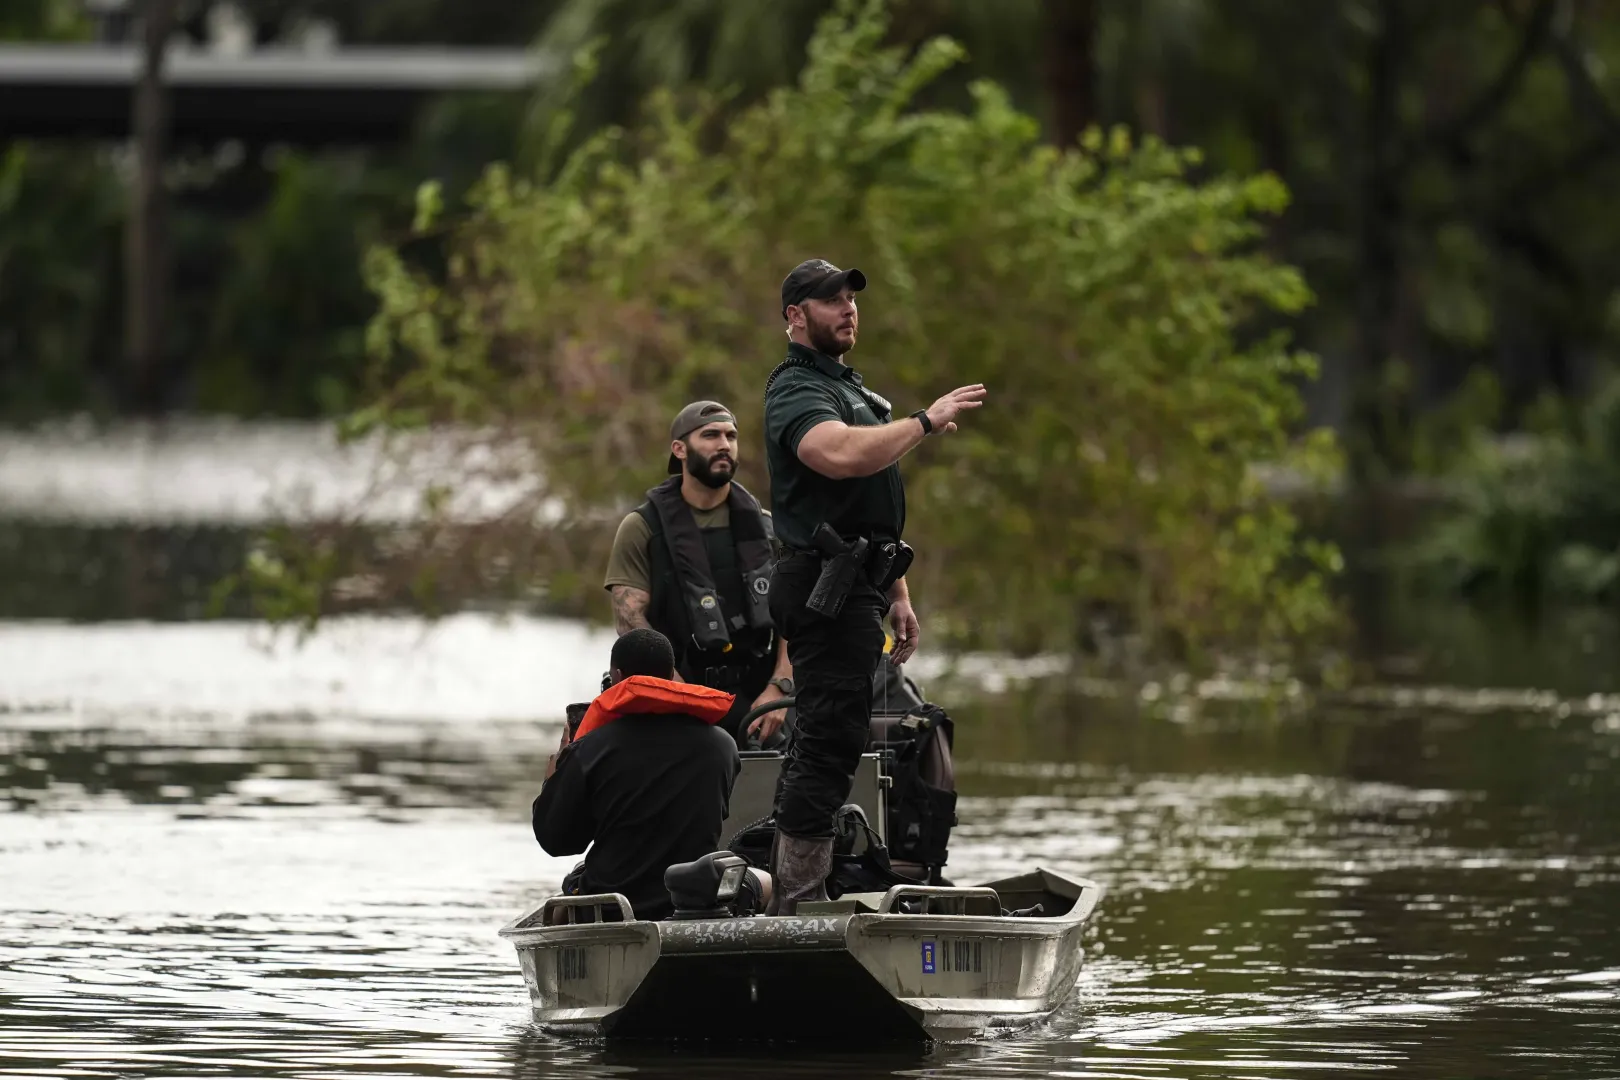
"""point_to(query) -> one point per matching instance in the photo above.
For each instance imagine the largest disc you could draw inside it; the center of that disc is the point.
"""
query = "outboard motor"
(717, 886)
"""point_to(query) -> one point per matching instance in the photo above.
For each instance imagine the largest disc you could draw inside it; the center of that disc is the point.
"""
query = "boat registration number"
(571, 964)
(951, 954)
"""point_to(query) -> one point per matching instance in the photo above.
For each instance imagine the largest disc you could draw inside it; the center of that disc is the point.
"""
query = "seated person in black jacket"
(645, 782)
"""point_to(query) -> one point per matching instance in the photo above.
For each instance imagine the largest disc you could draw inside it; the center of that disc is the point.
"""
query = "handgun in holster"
(842, 564)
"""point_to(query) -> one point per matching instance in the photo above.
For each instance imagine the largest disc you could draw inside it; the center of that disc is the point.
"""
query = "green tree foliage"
(1111, 304)
(1535, 519)
(62, 214)
(269, 303)
(276, 344)
(42, 19)
(1451, 160)
(1447, 158)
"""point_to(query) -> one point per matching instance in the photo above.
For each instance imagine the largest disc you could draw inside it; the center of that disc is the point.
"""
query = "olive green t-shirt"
(630, 561)
(816, 390)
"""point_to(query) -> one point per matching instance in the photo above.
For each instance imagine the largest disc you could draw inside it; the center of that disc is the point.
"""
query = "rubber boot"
(800, 872)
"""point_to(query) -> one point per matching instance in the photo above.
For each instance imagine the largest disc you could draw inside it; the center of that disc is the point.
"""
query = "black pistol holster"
(843, 562)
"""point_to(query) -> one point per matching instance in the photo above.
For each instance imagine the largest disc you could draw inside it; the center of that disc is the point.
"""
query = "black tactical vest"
(718, 615)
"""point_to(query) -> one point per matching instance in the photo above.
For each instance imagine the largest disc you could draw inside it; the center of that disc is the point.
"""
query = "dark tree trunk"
(1369, 434)
(1070, 28)
(146, 248)
(1152, 111)
(1377, 419)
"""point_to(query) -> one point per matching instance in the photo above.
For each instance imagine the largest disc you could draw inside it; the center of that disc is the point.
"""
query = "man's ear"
(615, 676)
(795, 317)
(678, 448)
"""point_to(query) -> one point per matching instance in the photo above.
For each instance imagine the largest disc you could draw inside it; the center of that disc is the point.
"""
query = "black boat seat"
(716, 886)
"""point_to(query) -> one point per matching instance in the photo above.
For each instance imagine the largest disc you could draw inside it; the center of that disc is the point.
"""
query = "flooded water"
(225, 855)
(220, 856)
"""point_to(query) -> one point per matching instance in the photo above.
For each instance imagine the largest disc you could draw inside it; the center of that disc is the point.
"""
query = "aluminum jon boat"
(917, 963)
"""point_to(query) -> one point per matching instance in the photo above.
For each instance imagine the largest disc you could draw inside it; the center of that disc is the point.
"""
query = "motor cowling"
(717, 886)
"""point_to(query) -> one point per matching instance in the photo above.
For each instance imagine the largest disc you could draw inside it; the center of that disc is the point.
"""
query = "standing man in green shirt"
(694, 562)
(833, 450)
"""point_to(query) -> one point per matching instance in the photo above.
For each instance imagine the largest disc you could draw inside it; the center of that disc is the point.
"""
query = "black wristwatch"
(784, 684)
(928, 425)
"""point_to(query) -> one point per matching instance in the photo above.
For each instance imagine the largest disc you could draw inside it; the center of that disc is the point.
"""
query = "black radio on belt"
(888, 564)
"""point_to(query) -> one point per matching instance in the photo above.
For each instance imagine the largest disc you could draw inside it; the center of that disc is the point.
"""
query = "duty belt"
(887, 559)
(722, 678)
(876, 542)
(725, 676)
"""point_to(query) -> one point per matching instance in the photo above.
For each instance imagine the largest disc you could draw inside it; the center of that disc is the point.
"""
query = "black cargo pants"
(833, 662)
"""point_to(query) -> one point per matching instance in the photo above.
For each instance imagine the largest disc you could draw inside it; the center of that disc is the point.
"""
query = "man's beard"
(702, 469)
(824, 339)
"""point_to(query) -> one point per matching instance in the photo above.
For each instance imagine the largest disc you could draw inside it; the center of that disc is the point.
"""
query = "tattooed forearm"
(629, 608)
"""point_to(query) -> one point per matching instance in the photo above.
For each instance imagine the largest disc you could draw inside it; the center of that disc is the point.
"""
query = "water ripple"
(301, 898)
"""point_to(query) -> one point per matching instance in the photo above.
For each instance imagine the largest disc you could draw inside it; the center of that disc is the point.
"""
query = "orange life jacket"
(643, 694)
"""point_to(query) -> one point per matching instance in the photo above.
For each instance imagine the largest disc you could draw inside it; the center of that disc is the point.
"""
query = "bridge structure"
(344, 95)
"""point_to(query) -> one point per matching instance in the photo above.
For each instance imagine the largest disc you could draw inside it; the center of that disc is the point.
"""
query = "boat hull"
(844, 976)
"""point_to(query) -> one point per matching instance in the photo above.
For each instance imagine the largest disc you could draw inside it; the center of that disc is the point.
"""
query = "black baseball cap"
(690, 419)
(818, 279)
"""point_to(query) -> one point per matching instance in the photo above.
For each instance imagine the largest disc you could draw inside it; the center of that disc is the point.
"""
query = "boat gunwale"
(964, 926)
(636, 931)
(745, 934)
(768, 932)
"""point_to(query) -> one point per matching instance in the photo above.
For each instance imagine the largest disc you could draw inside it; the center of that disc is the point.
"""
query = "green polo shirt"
(803, 396)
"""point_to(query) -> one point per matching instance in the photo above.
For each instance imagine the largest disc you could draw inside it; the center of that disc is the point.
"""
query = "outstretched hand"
(943, 413)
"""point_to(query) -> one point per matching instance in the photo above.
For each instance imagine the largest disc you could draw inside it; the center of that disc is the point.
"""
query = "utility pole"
(146, 243)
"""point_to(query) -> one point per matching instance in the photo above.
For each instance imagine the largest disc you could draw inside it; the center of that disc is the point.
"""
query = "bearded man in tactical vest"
(694, 563)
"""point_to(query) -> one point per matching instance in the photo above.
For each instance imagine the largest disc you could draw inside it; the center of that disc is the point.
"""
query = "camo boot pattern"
(801, 869)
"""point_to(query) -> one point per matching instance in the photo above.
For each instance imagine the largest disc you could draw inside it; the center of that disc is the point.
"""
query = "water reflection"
(290, 896)
(376, 767)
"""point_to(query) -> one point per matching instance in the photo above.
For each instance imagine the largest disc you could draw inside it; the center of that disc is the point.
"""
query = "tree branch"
(1539, 252)
(1587, 98)
(1585, 95)
(1452, 135)
(1589, 156)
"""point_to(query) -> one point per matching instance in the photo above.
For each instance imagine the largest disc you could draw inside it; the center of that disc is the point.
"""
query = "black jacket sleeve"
(562, 811)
